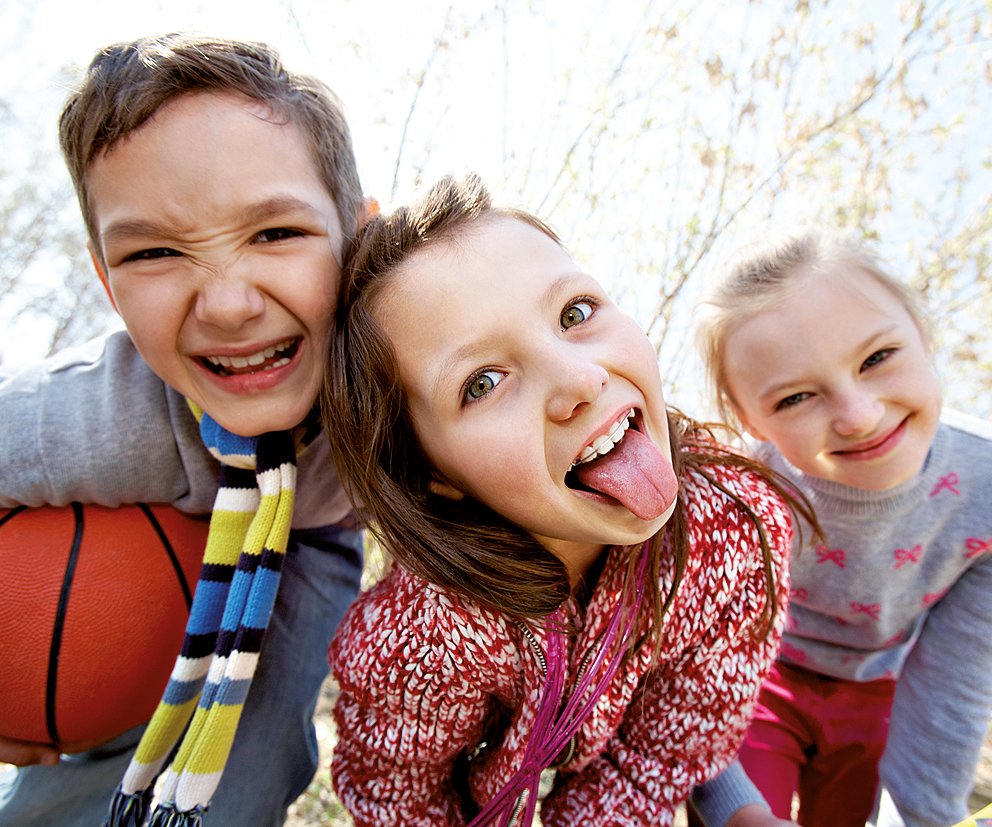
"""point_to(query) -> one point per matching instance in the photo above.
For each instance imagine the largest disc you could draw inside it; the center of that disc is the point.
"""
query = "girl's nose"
(228, 303)
(574, 384)
(857, 413)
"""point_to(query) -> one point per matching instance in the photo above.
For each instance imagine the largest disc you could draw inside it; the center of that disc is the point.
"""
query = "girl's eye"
(483, 383)
(150, 254)
(791, 401)
(877, 357)
(576, 313)
(277, 234)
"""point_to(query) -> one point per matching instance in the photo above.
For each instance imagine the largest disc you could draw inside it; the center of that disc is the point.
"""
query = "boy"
(219, 192)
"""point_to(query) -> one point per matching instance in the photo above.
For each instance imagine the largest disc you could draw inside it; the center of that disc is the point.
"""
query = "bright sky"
(507, 97)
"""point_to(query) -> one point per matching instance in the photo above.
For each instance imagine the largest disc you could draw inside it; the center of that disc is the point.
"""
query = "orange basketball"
(93, 606)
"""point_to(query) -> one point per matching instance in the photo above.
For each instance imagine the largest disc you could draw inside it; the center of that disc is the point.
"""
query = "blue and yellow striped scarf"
(246, 545)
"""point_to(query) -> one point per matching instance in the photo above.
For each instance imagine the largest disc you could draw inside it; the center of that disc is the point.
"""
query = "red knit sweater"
(425, 675)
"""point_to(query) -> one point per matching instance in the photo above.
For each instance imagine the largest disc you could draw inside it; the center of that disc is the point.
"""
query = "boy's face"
(221, 244)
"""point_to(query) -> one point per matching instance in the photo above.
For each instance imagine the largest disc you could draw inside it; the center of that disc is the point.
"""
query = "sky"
(503, 87)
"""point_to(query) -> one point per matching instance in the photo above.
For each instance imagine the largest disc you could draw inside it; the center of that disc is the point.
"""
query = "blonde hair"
(761, 274)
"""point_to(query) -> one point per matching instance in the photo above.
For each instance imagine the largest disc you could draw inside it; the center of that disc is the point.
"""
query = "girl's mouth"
(274, 356)
(599, 447)
(603, 444)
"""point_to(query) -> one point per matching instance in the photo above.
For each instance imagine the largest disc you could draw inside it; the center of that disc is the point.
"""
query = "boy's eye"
(877, 357)
(483, 383)
(277, 234)
(576, 313)
(792, 400)
(151, 253)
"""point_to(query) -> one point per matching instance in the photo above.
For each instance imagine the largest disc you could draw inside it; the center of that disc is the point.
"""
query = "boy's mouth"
(274, 356)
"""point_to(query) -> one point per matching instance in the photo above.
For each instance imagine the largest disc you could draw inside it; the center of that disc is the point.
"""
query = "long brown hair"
(463, 544)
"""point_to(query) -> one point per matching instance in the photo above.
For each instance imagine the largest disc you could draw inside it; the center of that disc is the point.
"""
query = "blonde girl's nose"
(857, 413)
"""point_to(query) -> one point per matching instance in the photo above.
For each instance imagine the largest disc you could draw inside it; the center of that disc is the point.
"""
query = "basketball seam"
(173, 557)
(54, 651)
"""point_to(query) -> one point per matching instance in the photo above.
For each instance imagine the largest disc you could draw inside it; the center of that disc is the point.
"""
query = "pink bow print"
(947, 482)
(870, 609)
(830, 555)
(976, 546)
(907, 555)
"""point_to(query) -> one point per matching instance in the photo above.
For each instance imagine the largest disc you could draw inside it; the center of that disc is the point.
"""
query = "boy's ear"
(101, 272)
(369, 210)
(440, 486)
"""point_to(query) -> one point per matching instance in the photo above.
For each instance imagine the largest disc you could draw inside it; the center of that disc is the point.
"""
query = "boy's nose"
(228, 303)
(574, 384)
(857, 414)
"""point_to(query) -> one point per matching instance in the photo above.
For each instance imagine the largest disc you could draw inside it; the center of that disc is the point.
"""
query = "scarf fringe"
(166, 815)
(128, 809)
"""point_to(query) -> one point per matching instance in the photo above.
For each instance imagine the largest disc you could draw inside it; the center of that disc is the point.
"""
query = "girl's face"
(515, 363)
(838, 377)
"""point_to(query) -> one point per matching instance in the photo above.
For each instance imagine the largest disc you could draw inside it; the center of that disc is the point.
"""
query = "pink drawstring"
(552, 732)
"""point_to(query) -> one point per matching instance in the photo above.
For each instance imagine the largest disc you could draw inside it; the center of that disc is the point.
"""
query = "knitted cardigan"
(426, 676)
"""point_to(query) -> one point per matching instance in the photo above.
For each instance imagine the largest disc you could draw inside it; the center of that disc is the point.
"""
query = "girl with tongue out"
(585, 581)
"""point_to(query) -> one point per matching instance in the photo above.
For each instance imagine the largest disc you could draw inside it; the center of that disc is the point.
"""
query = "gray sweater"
(94, 424)
(901, 588)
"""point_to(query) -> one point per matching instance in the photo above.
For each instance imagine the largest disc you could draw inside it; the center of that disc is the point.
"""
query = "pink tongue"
(636, 473)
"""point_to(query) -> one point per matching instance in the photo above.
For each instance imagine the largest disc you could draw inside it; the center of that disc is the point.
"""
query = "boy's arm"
(94, 424)
(940, 714)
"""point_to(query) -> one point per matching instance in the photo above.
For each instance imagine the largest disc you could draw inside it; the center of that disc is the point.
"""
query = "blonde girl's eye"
(576, 313)
(791, 401)
(877, 358)
(482, 383)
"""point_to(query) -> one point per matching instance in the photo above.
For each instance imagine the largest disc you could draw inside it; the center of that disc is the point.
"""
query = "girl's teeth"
(604, 444)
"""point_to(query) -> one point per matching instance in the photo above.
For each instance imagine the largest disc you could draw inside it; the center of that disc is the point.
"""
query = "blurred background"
(654, 136)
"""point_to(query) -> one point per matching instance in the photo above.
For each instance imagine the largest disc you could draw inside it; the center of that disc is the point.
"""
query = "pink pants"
(821, 737)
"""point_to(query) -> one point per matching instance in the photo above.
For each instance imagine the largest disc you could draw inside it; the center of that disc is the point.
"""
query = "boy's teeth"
(242, 362)
(604, 444)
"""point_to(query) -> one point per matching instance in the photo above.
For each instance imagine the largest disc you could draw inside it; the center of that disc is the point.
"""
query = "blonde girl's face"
(838, 377)
(517, 365)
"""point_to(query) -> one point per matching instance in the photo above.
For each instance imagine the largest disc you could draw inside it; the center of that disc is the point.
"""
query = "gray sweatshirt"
(901, 588)
(95, 424)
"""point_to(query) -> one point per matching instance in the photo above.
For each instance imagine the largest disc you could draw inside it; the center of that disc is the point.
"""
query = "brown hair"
(461, 544)
(760, 274)
(127, 83)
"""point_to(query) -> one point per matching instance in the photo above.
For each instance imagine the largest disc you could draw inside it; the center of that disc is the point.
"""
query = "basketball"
(93, 607)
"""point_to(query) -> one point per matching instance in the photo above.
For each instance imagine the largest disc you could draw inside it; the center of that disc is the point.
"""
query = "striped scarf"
(246, 545)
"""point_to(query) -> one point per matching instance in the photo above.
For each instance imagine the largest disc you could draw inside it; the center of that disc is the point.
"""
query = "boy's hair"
(761, 274)
(128, 83)
(460, 544)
